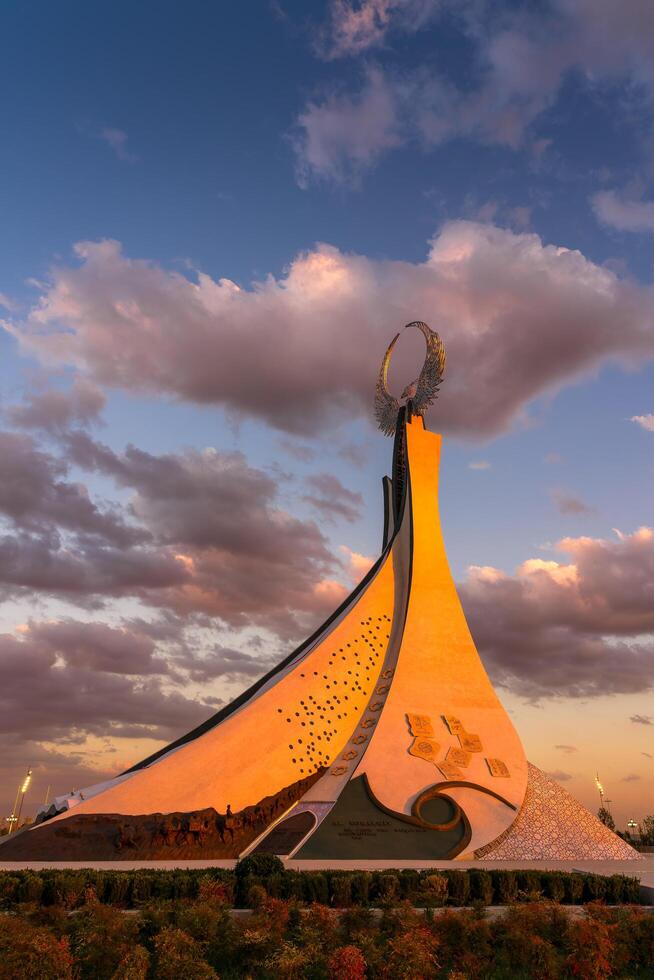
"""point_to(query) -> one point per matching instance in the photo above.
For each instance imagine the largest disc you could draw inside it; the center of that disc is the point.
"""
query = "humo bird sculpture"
(422, 392)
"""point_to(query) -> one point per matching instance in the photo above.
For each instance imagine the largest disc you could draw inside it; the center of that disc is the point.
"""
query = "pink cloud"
(579, 628)
(521, 59)
(519, 319)
(617, 210)
(354, 28)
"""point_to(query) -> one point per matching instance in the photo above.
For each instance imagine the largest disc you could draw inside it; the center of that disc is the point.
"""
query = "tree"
(647, 830)
(606, 818)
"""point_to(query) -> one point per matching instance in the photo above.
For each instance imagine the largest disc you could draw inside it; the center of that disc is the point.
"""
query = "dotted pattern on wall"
(335, 688)
(552, 825)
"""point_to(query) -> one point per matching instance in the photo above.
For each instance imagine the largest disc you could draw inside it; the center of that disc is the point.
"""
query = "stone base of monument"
(200, 834)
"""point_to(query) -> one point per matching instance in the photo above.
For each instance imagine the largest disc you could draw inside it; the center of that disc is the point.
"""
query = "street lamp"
(632, 827)
(604, 803)
(600, 789)
(14, 819)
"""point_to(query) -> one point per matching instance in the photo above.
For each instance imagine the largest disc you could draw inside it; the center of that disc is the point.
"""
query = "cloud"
(569, 629)
(560, 776)
(615, 209)
(354, 28)
(519, 64)
(480, 465)
(202, 533)
(117, 140)
(644, 421)
(244, 559)
(36, 498)
(567, 504)
(358, 564)
(354, 453)
(641, 720)
(331, 499)
(42, 698)
(343, 136)
(568, 749)
(519, 319)
(8, 303)
(55, 411)
(96, 646)
(298, 450)
(225, 663)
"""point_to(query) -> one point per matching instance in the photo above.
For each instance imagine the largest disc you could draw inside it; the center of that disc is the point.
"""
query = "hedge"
(453, 887)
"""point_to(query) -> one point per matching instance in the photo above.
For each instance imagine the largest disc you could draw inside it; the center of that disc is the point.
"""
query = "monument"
(380, 738)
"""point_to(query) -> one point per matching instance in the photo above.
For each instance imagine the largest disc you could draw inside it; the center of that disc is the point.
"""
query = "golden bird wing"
(433, 369)
(386, 405)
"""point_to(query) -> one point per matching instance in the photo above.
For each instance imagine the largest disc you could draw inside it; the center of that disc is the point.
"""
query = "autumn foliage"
(201, 939)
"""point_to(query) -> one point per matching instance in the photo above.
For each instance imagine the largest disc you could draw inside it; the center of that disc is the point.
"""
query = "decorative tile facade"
(551, 825)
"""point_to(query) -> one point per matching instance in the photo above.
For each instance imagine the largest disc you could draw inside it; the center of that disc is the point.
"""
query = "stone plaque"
(454, 724)
(471, 743)
(348, 756)
(458, 757)
(425, 748)
(360, 739)
(357, 829)
(449, 770)
(420, 725)
(498, 768)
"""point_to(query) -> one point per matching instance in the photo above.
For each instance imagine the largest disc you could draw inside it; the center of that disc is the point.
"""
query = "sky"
(213, 219)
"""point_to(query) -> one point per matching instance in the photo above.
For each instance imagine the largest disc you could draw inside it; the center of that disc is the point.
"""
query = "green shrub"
(9, 887)
(553, 886)
(631, 890)
(505, 886)
(361, 887)
(409, 883)
(100, 938)
(257, 896)
(261, 865)
(481, 887)
(355, 922)
(529, 885)
(141, 887)
(388, 888)
(178, 955)
(458, 887)
(315, 887)
(294, 886)
(434, 890)
(574, 888)
(117, 889)
(216, 889)
(594, 888)
(30, 888)
(615, 889)
(341, 890)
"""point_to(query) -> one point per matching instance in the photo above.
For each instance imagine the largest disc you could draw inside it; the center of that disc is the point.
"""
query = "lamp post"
(632, 827)
(604, 802)
(14, 819)
(600, 789)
